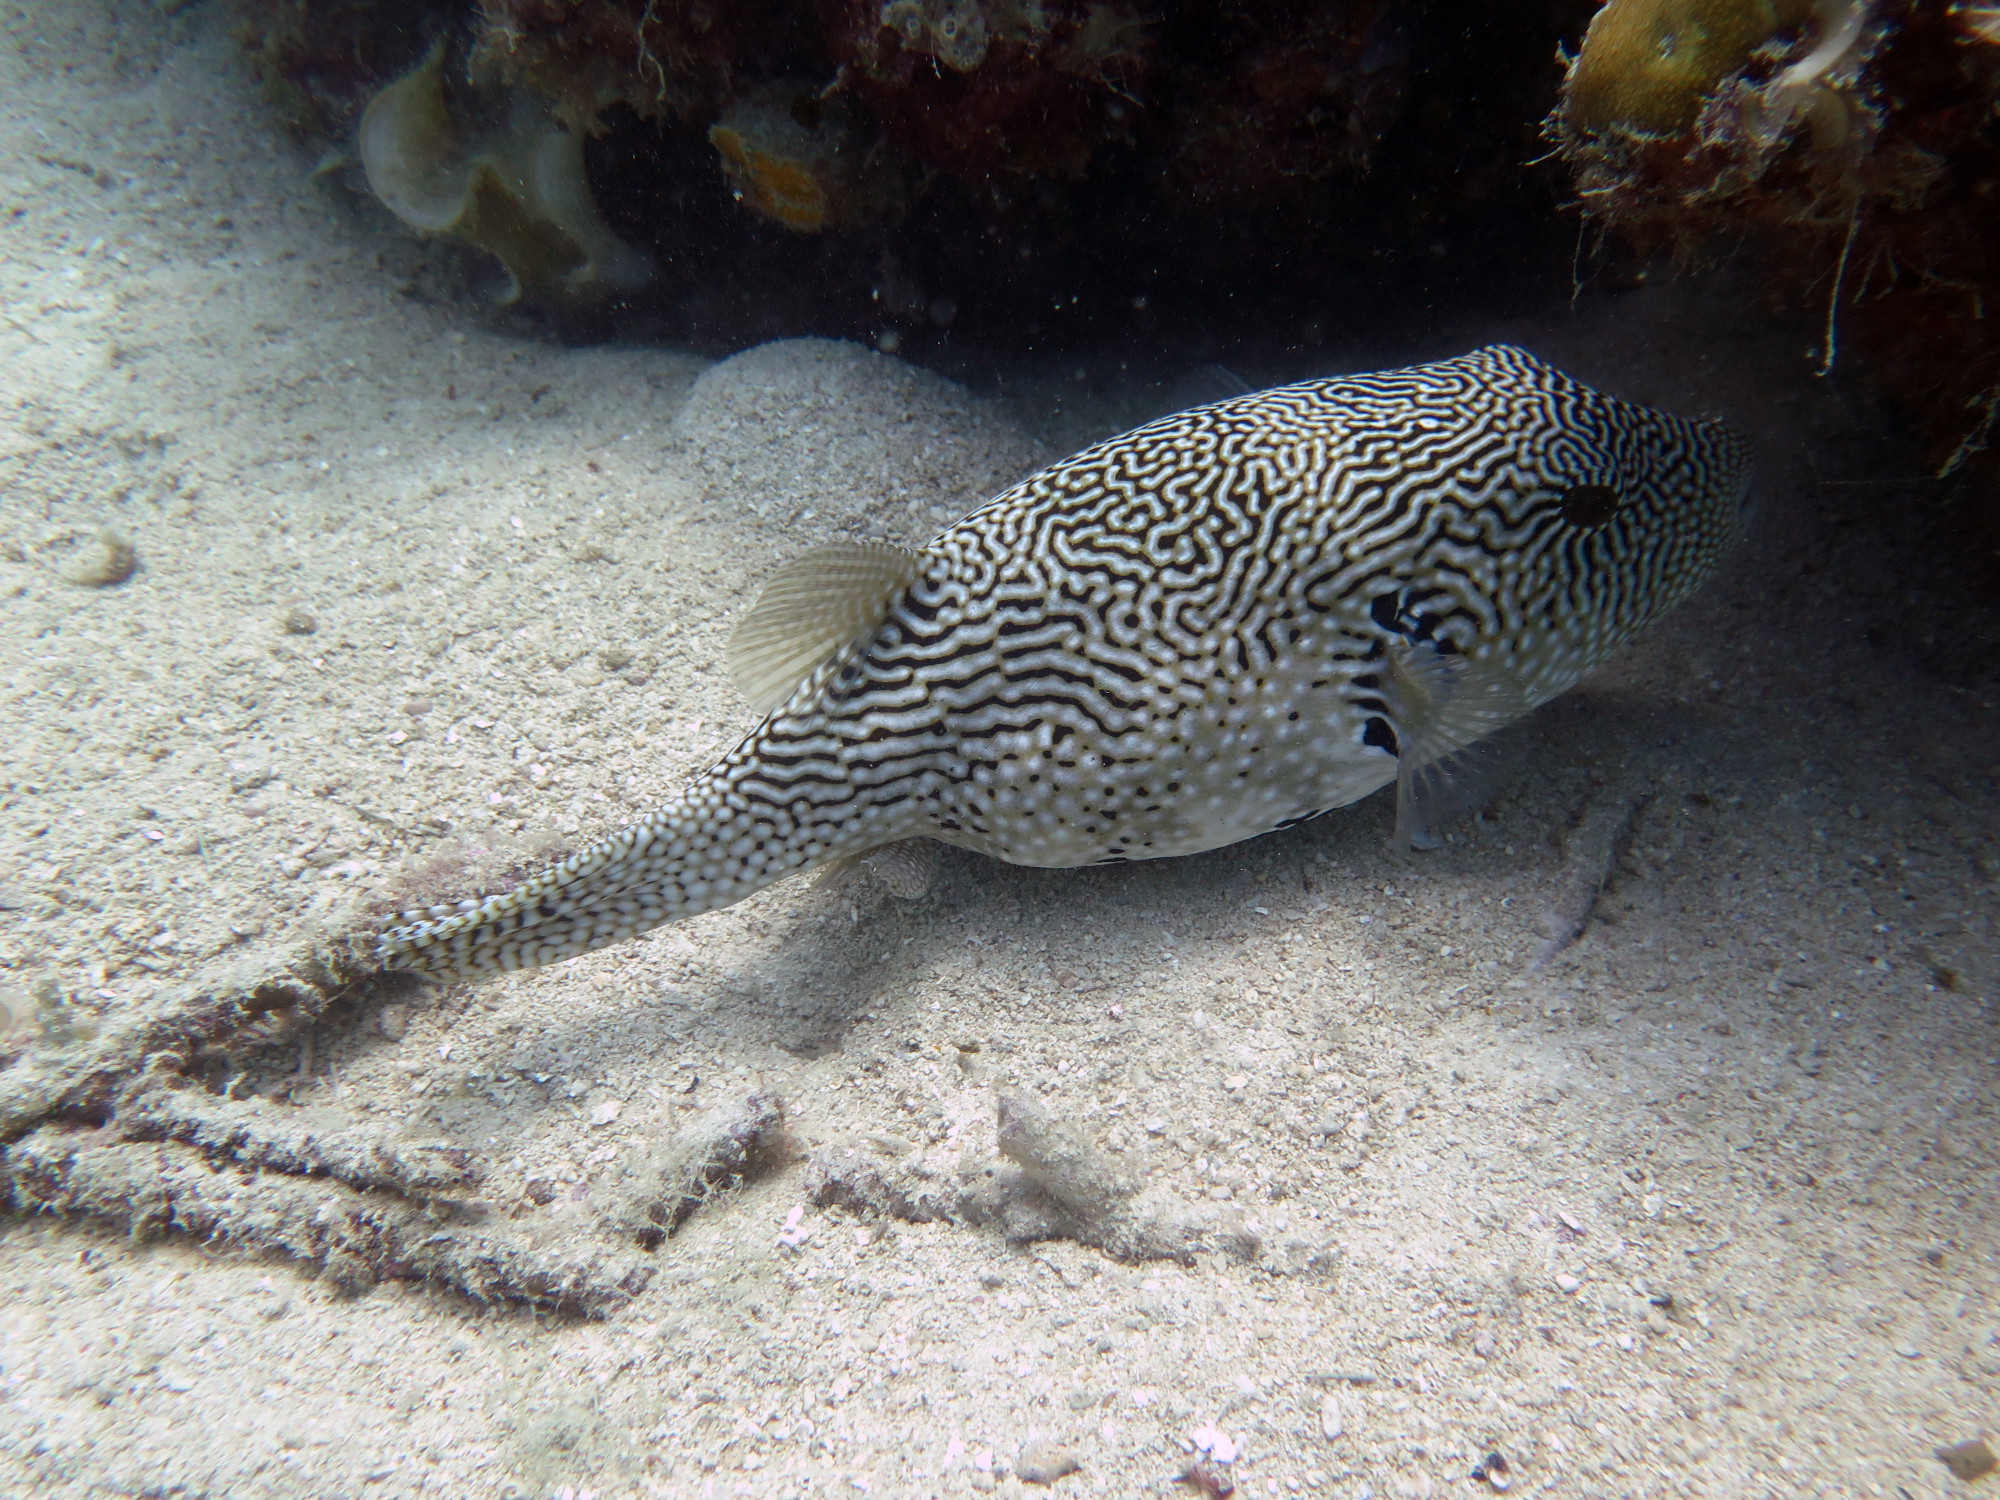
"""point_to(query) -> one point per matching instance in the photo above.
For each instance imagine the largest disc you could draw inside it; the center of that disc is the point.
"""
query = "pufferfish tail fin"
(815, 604)
(1447, 708)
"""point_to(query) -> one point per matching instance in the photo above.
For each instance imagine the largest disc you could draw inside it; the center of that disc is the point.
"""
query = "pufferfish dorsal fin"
(1447, 706)
(814, 605)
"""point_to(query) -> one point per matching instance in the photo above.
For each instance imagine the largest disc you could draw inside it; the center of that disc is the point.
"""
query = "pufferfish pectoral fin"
(815, 604)
(907, 867)
(1447, 708)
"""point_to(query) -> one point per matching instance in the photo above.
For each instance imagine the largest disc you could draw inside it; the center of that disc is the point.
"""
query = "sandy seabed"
(1316, 1167)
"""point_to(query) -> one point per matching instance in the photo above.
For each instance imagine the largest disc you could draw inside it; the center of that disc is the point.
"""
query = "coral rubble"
(1049, 1183)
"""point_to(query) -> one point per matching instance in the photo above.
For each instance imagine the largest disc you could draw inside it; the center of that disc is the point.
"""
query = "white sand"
(1761, 1086)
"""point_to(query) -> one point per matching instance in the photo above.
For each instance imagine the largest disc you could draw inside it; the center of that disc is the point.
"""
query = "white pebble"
(1331, 1423)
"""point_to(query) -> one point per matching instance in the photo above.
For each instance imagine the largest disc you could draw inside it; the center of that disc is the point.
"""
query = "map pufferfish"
(1221, 623)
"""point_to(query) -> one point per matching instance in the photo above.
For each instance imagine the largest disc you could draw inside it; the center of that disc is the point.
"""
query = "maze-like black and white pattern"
(1178, 639)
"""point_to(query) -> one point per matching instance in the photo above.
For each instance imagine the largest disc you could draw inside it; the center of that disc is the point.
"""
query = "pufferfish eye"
(1589, 505)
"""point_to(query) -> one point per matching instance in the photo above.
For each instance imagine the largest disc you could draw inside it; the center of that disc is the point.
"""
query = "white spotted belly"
(1229, 768)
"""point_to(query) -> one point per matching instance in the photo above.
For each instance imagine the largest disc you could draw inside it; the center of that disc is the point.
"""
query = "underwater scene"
(999, 747)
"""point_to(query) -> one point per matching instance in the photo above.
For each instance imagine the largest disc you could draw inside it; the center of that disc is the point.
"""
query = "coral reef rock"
(975, 87)
(803, 163)
(1856, 136)
(320, 61)
(663, 62)
(1647, 66)
(949, 179)
(1278, 107)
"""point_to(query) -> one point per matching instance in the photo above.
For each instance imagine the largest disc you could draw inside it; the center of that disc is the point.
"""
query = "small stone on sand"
(1969, 1460)
(1044, 1462)
(1331, 1422)
(106, 559)
(1495, 1470)
(1211, 1479)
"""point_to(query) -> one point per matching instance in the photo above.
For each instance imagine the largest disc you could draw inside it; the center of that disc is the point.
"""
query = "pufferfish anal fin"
(814, 605)
(1447, 708)
(906, 868)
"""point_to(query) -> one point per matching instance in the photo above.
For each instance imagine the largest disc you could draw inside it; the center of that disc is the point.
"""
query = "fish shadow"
(1068, 943)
